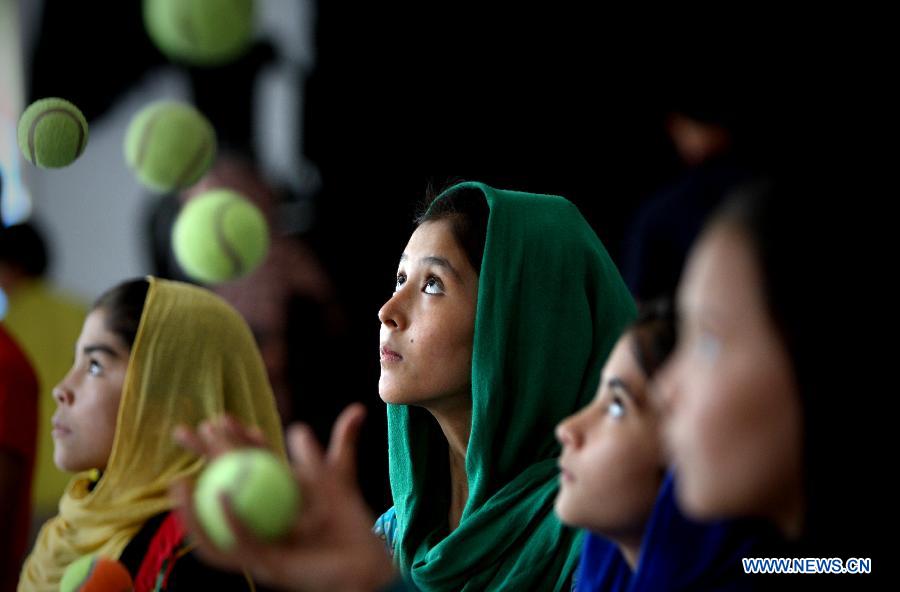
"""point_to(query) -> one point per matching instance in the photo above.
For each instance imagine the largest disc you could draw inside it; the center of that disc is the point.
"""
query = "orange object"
(107, 575)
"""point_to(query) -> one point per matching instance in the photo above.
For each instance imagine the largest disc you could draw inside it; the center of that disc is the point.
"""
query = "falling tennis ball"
(169, 145)
(262, 491)
(52, 133)
(219, 236)
(200, 32)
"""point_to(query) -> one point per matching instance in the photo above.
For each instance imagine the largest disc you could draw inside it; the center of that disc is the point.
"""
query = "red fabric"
(160, 555)
(18, 428)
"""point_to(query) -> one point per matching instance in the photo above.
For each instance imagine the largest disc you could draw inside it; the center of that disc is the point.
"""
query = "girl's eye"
(434, 286)
(401, 279)
(708, 345)
(95, 369)
(616, 408)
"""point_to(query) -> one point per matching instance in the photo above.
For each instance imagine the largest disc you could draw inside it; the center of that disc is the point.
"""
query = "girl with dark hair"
(152, 354)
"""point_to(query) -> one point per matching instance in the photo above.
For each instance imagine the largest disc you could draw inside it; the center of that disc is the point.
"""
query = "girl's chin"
(391, 396)
(563, 510)
(391, 392)
(393, 400)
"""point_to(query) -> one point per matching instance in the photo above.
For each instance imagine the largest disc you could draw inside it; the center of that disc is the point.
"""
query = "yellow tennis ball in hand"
(263, 494)
(169, 145)
(219, 236)
(52, 133)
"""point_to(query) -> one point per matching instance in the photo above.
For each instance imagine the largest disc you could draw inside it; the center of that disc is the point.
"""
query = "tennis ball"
(52, 133)
(93, 573)
(219, 236)
(169, 145)
(262, 491)
(201, 32)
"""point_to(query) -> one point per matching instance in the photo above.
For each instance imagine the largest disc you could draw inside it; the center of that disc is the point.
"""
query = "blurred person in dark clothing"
(709, 142)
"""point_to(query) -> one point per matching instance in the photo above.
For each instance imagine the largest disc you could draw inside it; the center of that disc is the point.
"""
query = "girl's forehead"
(434, 243)
(95, 331)
(721, 275)
(95, 325)
(432, 235)
(622, 364)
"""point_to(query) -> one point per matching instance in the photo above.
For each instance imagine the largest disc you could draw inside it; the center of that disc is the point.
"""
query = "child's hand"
(331, 546)
(218, 436)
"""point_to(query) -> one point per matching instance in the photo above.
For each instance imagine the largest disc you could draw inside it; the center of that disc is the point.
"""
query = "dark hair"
(799, 228)
(22, 246)
(653, 335)
(467, 211)
(124, 305)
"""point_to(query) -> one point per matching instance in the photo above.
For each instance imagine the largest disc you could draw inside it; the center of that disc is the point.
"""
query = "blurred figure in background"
(46, 324)
(18, 440)
(710, 143)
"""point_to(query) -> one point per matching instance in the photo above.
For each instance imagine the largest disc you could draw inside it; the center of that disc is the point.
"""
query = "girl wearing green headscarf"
(505, 309)
(481, 354)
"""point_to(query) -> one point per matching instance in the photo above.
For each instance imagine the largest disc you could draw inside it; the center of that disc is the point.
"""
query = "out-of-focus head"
(752, 391)
(23, 253)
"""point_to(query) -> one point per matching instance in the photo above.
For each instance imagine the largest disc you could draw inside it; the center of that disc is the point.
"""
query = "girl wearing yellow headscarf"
(152, 354)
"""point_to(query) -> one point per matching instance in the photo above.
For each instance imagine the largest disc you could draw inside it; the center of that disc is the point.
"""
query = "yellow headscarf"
(193, 358)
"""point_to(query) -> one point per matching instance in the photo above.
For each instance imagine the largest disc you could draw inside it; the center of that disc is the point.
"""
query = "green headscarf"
(551, 305)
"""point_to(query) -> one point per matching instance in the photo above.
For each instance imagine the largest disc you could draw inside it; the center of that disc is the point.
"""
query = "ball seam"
(219, 227)
(144, 140)
(190, 168)
(37, 119)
